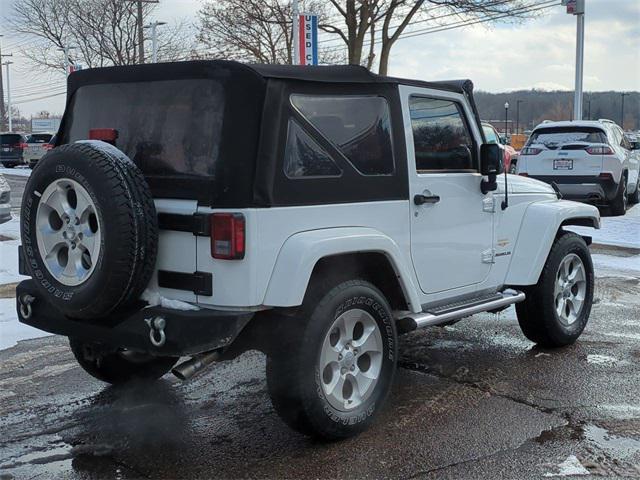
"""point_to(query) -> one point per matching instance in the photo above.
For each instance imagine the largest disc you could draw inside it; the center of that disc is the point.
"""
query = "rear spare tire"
(89, 229)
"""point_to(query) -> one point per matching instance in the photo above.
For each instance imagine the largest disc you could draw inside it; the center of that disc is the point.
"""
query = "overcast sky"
(539, 53)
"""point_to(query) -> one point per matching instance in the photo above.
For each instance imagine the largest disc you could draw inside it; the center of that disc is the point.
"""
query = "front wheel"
(119, 366)
(634, 198)
(557, 308)
(334, 370)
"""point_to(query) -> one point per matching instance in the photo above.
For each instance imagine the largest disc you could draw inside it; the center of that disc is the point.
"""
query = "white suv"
(590, 161)
(312, 213)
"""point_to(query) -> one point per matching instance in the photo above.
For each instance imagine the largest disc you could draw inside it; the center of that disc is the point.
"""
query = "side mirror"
(491, 165)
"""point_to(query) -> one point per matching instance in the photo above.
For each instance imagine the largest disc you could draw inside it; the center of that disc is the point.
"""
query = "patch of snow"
(11, 330)
(11, 229)
(605, 265)
(154, 299)
(571, 466)
(605, 360)
(16, 172)
(623, 231)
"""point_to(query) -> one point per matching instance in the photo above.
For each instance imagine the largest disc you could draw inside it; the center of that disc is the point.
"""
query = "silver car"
(5, 200)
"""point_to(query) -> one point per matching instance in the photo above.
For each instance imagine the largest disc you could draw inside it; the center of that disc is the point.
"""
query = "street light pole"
(154, 39)
(7, 63)
(506, 121)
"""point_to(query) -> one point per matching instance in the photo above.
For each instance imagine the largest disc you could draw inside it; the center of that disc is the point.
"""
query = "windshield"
(555, 137)
(490, 134)
(10, 139)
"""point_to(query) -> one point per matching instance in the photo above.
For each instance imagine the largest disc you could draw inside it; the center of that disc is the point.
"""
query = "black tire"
(115, 367)
(537, 314)
(129, 231)
(619, 203)
(634, 198)
(293, 371)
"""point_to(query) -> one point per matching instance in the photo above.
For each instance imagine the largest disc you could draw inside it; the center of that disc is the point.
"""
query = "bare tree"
(103, 32)
(251, 30)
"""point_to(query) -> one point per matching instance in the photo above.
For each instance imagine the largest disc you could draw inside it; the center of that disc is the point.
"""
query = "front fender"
(300, 253)
(538, 230)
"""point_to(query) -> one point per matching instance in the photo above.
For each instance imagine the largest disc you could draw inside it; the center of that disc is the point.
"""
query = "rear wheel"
(619, 203)
(120, 366)
(557, 308)
(335, 369)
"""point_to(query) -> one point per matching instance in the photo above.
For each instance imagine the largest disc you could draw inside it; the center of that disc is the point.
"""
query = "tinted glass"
(305, 158)
(39, 138)
(165, 127)
(360, 127)
(555, 137)
(10, 139)
(440, 135)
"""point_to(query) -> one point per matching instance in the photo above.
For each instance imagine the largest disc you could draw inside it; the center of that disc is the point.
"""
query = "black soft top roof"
(251, 73)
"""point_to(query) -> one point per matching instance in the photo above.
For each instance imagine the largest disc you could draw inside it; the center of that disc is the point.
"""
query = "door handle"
(422, 199)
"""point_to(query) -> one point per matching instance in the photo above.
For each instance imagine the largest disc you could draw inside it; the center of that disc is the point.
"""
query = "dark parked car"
(11, 149)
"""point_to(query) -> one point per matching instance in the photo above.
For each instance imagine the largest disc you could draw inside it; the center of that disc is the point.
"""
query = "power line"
(40, 98)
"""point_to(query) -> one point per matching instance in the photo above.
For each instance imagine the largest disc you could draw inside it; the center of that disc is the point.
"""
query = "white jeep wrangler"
(202, 209)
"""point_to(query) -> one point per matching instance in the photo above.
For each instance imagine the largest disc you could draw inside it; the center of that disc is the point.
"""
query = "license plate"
(6, 149)
(563, 164)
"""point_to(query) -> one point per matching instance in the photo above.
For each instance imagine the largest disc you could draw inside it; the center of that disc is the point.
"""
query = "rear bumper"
(11, 161)
(186, 332)
(595, 190)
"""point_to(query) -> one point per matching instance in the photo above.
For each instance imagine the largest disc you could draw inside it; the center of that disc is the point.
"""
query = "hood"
(519, 184)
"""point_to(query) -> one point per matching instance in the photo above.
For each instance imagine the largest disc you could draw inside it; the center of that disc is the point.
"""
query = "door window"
(441, 137)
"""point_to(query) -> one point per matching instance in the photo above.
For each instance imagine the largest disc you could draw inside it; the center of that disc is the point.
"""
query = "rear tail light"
(530, 151)
(24, 146)
(606, 176)
(227, 236)
(48, 146)
(600, 150)
(108, 135)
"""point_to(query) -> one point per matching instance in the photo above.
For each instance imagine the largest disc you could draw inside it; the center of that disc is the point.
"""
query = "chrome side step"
(412, 321)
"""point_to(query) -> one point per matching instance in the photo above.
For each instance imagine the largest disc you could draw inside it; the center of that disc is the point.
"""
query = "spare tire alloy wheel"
(351, 360)
(68, 231)
(89, 230)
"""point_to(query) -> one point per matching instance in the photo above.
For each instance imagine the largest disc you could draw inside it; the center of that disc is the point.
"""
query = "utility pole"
(296, 33)
(518, 102)
(7, 63)
(154, 39)
(2, 110)
(67, 63)
(140, 27)
(624, 94)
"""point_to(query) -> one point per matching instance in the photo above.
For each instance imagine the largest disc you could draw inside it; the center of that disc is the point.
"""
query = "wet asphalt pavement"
(472, 400)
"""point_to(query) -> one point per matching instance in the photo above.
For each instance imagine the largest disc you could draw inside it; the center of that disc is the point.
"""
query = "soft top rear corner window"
(165, 127)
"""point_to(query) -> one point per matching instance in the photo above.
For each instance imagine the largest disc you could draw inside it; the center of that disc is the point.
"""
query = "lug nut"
(353, 367)
(343, 370)
(339, 356)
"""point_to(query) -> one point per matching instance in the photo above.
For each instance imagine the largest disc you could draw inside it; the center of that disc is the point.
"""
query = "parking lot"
(471, 400)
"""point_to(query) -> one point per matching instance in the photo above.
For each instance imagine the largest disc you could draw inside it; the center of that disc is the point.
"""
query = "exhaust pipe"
(195, 364)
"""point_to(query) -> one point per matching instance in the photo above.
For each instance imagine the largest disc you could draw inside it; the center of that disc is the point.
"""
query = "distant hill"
(542, 105)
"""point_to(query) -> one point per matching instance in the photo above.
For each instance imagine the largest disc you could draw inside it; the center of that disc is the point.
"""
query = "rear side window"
(557, 137)
(358, 126)
(305, 158)
(441, 138)
(10, 139)
(165, 127)
(39, 138)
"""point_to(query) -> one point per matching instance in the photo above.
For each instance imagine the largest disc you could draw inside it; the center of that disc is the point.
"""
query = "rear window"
(39, 138)
(165, 127)
(10, 139)
(556, 137)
